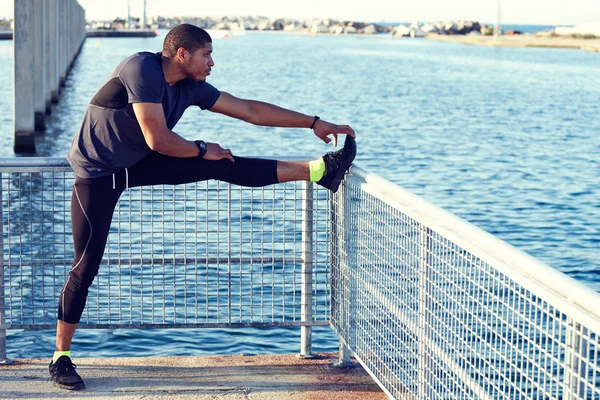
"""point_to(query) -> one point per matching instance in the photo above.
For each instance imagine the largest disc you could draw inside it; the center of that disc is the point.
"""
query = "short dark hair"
(188, 36)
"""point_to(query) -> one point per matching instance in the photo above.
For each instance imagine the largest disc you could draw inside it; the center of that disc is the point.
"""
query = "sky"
(542, 12)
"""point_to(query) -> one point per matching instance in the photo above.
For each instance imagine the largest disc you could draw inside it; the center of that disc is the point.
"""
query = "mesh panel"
(431, 320)
(202, 253)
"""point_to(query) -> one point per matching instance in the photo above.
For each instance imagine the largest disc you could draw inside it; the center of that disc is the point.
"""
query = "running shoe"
(63, 374)
(337, 163)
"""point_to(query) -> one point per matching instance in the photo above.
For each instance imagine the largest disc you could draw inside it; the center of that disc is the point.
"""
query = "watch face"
(201, 147)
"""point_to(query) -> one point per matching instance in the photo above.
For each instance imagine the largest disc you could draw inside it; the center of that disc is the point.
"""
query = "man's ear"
(182, 53)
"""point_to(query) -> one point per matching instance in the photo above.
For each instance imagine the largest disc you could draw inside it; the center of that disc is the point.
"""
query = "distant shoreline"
(521, 41)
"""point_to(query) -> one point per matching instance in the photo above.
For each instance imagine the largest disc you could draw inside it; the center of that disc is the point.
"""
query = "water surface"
(504, 138)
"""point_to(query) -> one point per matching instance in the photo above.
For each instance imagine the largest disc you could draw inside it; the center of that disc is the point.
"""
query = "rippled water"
(507, 139)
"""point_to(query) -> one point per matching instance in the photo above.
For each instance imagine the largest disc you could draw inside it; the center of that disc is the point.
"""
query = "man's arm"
(265, 114)
(160, 138)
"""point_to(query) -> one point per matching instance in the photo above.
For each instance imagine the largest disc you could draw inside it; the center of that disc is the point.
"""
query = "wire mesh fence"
(436, 309)
(206, 254)
(431, 306)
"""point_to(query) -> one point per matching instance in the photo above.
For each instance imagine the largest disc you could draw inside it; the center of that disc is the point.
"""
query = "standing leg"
(92, 205)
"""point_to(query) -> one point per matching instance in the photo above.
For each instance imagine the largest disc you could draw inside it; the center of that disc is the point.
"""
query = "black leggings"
(93, 203)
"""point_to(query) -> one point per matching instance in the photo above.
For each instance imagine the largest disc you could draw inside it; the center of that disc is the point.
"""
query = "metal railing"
(205, 254)
(430, 305)
(435, 308)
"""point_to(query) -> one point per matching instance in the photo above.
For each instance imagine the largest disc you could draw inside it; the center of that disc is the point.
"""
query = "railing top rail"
(538, 277)
(33, 164)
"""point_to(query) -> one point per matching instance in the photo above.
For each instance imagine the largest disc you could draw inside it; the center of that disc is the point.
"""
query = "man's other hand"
(323, 129)
(214, 152)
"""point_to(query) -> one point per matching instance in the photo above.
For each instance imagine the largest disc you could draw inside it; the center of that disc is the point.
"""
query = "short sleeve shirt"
(110, 138)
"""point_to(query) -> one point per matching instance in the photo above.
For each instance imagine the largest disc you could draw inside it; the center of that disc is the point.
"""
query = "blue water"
(526, 28)
(504, 138)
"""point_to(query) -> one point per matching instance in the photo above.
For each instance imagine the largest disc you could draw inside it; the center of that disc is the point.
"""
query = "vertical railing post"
(307, 259)
(347, 251)
(425, 249)
(3, 358)
(574, 386)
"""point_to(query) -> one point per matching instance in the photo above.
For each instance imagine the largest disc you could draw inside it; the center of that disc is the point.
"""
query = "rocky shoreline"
(321, 26)
(337, 27)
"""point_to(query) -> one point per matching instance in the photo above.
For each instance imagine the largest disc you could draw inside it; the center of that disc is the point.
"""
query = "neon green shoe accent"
(59, 354)
(317, 169)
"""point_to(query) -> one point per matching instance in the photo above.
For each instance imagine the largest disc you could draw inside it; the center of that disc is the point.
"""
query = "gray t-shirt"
(110, 137)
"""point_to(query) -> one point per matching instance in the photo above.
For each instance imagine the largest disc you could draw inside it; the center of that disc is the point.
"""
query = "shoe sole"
(77, 386)
(339, 176)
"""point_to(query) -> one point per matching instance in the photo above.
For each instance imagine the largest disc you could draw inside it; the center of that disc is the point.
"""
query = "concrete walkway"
(221, 377)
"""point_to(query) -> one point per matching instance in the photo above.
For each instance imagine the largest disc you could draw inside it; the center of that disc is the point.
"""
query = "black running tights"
(94, 200)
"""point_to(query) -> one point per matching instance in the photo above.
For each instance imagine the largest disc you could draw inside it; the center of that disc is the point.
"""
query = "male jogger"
(126, 140)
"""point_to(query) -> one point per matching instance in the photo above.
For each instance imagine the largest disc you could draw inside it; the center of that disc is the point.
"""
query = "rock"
(370, 30)
(350, 30)
(462, 28)
(221, 26)
(320, 28)
(336, 29)
(290, 27)
(429, 28)
(417, 33)
(450, 28)
(264, 26)
(357, 25)
(474, 33)
(401, 30)
(487, 30)
(278, 25)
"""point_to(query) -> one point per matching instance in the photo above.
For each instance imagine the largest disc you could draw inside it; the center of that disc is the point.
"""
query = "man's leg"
(157, 169)
(92, 206)
(292, 171)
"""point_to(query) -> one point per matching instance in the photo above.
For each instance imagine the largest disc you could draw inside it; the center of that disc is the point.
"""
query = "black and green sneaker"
(63, 374)
(337, 163)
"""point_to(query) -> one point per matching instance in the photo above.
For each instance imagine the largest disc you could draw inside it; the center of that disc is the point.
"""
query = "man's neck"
(171, 71)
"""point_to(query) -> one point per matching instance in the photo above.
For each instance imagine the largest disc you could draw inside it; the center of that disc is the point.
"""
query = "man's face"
(199, 63)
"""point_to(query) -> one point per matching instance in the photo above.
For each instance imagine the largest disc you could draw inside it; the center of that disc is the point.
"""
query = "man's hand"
(323, 129)
(215, 152)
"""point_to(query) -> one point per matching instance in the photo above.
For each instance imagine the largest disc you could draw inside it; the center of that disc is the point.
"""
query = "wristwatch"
(202, 147)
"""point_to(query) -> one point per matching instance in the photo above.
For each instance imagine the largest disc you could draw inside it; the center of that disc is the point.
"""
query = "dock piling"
(47, 37)
(23, 76)
(39, 79)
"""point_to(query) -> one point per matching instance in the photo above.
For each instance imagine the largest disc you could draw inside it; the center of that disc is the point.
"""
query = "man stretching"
(126, 140)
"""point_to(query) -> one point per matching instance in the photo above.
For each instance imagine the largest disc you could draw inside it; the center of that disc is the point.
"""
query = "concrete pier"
(129, 33)
(24, 59)
(526, 40)
(48, 35)
(263, 377)
(48, 56)
(39, 76)
(62, 41)
(53, 50)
